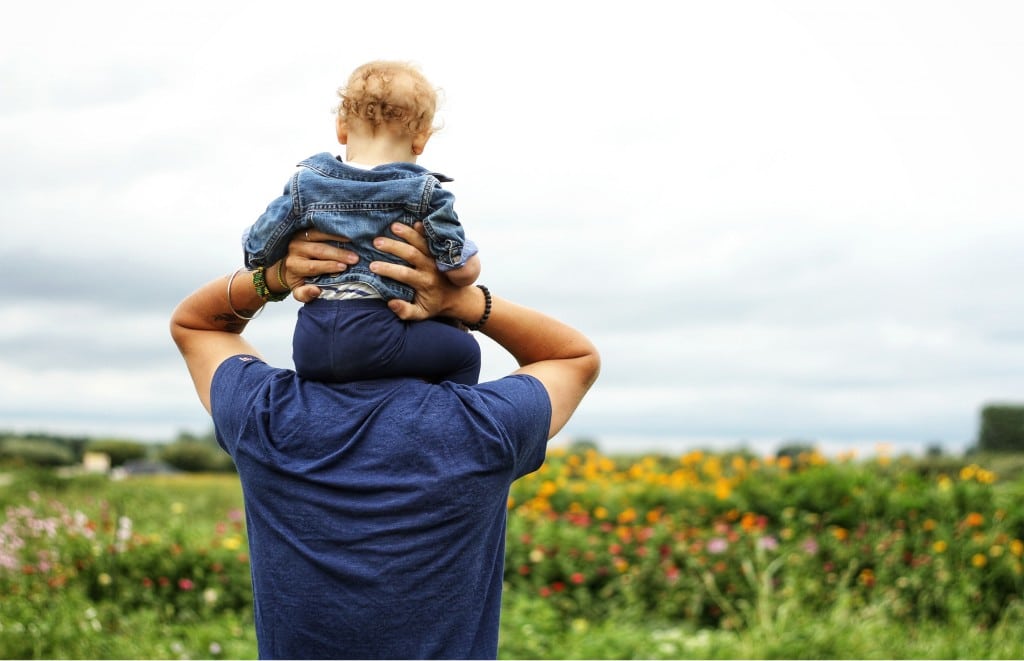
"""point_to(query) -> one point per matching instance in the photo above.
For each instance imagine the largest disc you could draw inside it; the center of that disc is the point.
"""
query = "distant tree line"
(188, 452)
(1001, 430)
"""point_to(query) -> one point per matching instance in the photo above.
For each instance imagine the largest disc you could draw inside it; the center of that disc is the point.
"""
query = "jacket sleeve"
(266, 241)
(445, 235)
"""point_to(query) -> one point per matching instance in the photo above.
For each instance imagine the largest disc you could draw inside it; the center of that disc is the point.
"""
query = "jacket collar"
(332, 166)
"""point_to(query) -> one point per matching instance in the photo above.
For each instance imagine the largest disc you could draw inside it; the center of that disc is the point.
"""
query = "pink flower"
(185, 584)
(717, 545)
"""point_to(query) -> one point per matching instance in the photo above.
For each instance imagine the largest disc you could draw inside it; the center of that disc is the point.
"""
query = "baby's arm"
(454, 254)
(263, 242)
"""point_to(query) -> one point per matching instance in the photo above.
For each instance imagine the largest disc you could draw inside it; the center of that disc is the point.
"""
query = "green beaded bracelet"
(259, 281)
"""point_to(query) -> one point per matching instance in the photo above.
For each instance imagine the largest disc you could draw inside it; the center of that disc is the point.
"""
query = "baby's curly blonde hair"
(389, 93)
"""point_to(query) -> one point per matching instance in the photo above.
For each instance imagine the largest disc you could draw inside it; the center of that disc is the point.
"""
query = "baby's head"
(393, 96)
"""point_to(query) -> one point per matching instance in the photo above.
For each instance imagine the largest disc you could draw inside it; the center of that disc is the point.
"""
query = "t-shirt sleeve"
(235, 383)
(520, 405)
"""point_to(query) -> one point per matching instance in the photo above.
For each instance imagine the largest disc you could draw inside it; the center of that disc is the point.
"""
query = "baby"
(385, 119)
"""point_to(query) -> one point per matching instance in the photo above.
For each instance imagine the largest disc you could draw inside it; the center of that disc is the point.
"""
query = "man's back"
(383, 501)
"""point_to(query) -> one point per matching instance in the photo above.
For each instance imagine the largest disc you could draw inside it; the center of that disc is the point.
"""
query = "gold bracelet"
(280, 275)
(231, 281)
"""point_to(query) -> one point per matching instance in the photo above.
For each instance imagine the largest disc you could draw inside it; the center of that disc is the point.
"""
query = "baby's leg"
(440, 352)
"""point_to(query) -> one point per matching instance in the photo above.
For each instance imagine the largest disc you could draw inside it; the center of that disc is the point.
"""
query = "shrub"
(34, 452)
(197, 457)
(1002, 428)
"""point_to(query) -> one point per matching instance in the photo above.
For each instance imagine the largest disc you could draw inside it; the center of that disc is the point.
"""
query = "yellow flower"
(979, 560)
(1017, 547)
(178, 508)
(940, 546)
(104, 579)
(985, 476)
(232, 543)
(928, 524)
(600, 512)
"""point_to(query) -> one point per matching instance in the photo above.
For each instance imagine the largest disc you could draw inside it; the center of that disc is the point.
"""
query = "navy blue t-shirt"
(376, 509)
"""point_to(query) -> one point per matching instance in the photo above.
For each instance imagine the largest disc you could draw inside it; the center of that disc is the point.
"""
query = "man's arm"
(205, 326)
(560, 357)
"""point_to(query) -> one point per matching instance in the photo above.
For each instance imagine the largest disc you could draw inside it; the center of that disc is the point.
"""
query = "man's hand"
(434, 293)
(309, 256)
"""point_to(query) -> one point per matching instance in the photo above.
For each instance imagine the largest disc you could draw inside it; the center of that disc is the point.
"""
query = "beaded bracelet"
(259, 281)
(255, 314)
(487, 310)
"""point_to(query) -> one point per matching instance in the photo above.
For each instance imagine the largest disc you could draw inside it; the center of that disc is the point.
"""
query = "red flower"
(558, 586)
(577, 578)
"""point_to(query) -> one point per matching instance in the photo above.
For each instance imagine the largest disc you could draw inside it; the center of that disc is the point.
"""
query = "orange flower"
(974, 520)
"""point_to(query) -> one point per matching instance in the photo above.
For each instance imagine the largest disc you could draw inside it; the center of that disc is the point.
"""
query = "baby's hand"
(466, 274)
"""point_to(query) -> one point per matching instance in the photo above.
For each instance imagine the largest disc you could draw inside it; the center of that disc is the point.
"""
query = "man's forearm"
(226, 304)
(532, 336)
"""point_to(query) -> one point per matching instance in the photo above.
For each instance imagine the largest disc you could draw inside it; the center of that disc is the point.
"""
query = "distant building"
(96, 462)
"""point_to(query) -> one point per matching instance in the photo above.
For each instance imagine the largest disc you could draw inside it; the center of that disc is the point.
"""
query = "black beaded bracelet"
(487, 310)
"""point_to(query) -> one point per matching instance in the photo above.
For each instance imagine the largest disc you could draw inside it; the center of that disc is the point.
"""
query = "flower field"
(700, 555)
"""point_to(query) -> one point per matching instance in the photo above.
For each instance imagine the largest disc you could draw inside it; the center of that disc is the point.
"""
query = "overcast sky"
(777, 220)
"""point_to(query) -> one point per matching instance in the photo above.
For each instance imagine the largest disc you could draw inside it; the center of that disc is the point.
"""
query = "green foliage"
(699, 556)
(119, 451)
(146, 568)
(197, 456)
(734, 544)
(1002, 428)
(35, 452)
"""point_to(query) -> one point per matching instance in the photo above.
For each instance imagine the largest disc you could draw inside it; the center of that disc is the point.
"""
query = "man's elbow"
(179, 326)
(590, 366)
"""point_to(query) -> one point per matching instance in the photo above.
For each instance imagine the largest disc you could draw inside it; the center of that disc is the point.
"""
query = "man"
(376, 509)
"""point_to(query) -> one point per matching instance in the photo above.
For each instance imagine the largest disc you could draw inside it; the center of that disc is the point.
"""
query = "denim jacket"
(333, 197)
